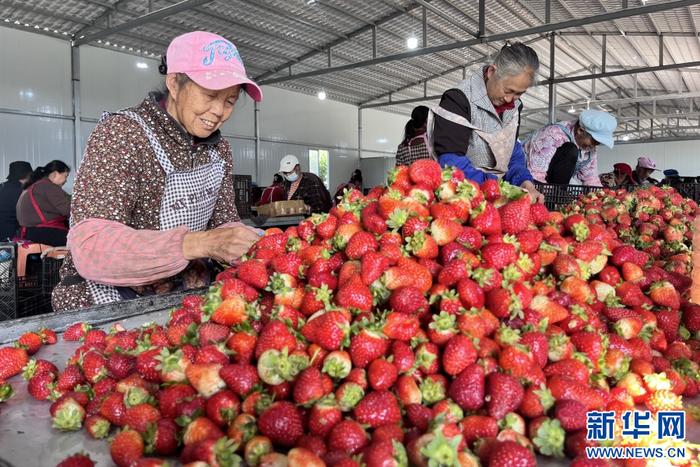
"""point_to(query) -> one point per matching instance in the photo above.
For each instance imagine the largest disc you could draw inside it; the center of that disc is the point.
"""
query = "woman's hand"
(224, 245)
(535, 195)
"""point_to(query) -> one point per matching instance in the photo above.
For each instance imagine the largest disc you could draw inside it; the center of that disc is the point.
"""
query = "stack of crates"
(8, 282)
(241, 187)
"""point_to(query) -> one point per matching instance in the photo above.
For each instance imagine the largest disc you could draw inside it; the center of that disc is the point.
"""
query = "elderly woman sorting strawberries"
(153, 200)
(476, 124)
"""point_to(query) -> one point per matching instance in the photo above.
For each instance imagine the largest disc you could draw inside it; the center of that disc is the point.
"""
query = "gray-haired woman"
(476, 125)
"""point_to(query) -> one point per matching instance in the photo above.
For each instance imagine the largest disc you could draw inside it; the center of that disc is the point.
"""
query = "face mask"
(292, 177)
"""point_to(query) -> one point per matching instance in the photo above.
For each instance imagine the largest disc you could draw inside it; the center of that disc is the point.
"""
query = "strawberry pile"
(658, 221)
(431, 322)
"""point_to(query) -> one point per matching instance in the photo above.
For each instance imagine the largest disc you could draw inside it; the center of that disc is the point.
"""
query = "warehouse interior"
(636, 59)
(356, 233)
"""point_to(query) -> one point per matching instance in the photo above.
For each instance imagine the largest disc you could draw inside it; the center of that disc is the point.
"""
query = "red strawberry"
(498, 255)
(427, 172)
(120, 365)
(408, 300)
(40, 386)
(69, 378)
(67, 414)
(486, 219)
(97, 426)
(212, 333)
(233, 286)
(274, 335)
(691, 317)
(12, 360)
(367, 346)
(77, 460)
(140, 416)
(373, 266)
(470, 294)
(563, 387)
(378, 408)
(459, 353)
(515, 215)
(360, 244)
(510, 453)
(76, 332)
(382, 374)
(539, 214)
(422, 245)
(467, 389)
(354, 294)
(536, 401)
(669, 321)
(231, 312)
(445, 231)
(171, 396)
(113, 408)
(240, 378)
(663, 293)
(147, 365)
(282, 423)
(309, 386)
(475, 427)
(505, 394)
(30, 341)
(571, 414)
(126, 448)
(347, 436)
(223, 407)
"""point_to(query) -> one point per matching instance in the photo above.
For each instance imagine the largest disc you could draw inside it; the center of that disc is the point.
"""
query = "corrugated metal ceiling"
(274, 34)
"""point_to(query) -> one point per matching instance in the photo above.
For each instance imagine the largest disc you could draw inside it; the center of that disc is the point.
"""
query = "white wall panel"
(35, 73)
(290, 116)
(243, 152)
(241, 122)
(36, 140)
(679, 155)
(374, 170)
(111, 80)
(382, 131)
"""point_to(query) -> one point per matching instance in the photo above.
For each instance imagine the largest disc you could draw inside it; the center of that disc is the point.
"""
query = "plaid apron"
(189, 197)
(501, 142)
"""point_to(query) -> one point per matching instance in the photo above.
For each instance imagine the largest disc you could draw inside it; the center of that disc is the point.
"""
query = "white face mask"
(292, 177)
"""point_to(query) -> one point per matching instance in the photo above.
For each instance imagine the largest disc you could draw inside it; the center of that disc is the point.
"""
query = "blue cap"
(671, 173)
(600, 125)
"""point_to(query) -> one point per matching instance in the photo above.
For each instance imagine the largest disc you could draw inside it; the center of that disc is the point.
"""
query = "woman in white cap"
(558, 152)
(153, 200)
(305, 186)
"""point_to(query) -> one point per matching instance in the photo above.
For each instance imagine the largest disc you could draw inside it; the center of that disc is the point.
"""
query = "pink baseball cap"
(210, 61)
(646, 163)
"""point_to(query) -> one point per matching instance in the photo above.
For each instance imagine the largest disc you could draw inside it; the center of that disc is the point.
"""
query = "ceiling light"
(412, 42)
(625, 138)
(310, 2)
(142, 65)
(382, 140)
(572, 110)
(321, 95)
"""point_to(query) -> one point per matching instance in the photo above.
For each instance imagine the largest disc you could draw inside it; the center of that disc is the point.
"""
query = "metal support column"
(552, 94)
(359, 134)
(605, 53)
(425, 27)
(374, 41)
(661, 49)
(75, 94)
(256, 133)
(482, 17)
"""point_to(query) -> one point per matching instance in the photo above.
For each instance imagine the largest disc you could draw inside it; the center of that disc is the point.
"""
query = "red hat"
(623, 168)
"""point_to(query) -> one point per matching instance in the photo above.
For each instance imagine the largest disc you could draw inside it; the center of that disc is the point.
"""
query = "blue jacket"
(517, 167)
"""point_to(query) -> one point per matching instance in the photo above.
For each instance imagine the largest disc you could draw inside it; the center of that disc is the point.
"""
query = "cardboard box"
(283, 208)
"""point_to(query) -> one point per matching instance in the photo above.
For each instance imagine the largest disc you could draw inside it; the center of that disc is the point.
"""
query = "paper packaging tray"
(26, 436)
(282, 208)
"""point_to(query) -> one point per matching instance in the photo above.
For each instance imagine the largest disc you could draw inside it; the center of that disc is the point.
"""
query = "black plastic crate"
(50, 274)
(8, 284)
(558, 196)
(242, 187)
(32, 304)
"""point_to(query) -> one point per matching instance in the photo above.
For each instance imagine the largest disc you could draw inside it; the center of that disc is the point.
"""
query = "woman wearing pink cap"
(153, 200)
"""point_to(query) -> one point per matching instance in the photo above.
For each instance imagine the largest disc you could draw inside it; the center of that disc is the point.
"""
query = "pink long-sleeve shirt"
(542, 145)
